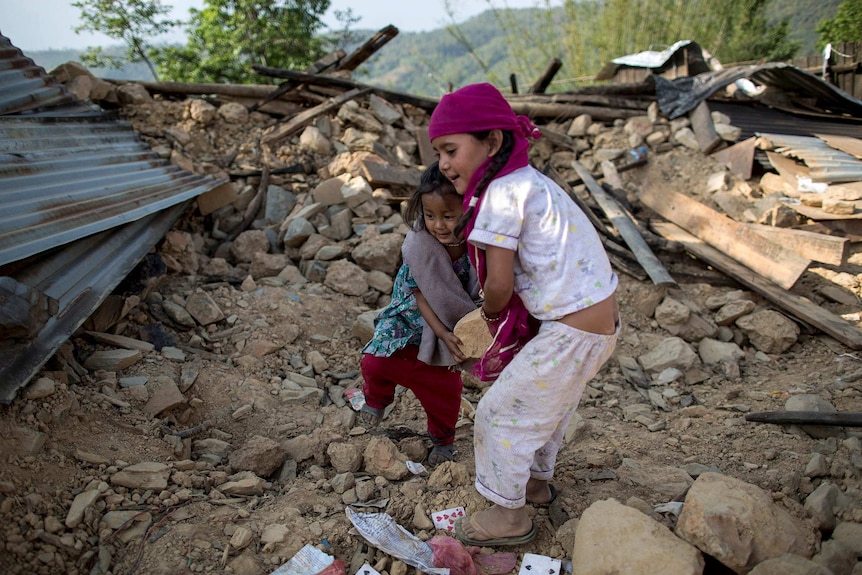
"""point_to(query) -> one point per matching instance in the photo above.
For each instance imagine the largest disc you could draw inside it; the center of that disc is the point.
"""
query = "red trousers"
(437, 388)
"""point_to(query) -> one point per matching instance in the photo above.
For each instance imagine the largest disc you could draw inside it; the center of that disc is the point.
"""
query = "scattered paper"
(367, 569)
(539, 565)
(446, 519)
(355, 397)
(417, 468)
(382, 532)
(307, 561)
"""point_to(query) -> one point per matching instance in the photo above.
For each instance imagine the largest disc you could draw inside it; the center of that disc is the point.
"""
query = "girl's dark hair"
(432, 181)
(497, 163)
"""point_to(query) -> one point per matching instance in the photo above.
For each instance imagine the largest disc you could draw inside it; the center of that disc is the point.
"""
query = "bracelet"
(485, 317)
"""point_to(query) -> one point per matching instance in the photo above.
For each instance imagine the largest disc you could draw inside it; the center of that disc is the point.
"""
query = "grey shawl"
(431, 266)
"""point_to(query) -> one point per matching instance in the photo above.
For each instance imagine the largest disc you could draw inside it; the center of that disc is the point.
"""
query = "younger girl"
(539, 257)
(413, 344)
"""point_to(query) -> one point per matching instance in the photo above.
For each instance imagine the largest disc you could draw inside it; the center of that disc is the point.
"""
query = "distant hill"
(428, 63)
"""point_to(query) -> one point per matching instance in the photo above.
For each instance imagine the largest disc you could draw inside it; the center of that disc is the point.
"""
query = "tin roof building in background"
(82, 201)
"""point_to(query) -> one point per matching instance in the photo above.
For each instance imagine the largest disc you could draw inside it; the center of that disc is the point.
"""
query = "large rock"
(615, 539)
(346, 277)
(383, 458)
(671, 352)
(381, 252)
(260, 455)
(769, 331)
(739, 524)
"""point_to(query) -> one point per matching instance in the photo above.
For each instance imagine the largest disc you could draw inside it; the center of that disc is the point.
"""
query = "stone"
(790, 564)
(40, 389)
(203, 308)
(383, 458)
(769, 331)
(345, 457)
(249, 243)
(381, 252)
(614, 538)
(178, 314)
(313, 140)
(670, 352)
(670, 483)
(145, 475)
(112, 360)
(260, 455)
(346, 277)
(713, 352)
(164, 395)
(233, 113)
(80, 504)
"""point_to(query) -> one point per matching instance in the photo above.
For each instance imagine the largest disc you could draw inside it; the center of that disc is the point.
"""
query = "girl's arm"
(500, 279)
(440, 330)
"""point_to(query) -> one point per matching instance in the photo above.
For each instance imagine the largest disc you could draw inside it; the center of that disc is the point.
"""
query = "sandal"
(370, 416)
(441, 454)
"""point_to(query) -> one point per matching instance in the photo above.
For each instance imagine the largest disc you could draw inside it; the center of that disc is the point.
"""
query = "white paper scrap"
(307, 561)
(382, 532)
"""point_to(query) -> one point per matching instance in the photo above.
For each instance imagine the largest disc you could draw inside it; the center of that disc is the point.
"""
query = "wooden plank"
(379, 174)
(797, 306)
(626, 228)
(816, 247)
(767, 258)
(545, 79)
(301, 120)
(739, 158)
(846, 144)
(703, 128)
(369, 48)
(806, 418)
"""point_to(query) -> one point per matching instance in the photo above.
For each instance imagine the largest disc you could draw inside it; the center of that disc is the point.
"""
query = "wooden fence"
(844, 69)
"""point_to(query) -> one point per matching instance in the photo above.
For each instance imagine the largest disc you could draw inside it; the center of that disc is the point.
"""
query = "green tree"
(846, 26)
(227, 37)
(131, 21)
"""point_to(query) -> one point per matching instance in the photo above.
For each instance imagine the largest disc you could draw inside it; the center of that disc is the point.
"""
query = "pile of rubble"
(201, 419)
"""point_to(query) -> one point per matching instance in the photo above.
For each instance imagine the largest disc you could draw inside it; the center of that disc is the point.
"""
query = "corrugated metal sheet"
(26, 86)
(79, 279)
(82, 200)
(753, 117)
(825, 163)
(64, 180)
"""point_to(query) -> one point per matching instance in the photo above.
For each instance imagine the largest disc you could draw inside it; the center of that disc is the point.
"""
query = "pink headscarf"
(477, 108)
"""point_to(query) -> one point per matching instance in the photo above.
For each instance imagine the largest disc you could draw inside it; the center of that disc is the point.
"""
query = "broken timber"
(369, 48)
(832, 250)
(806, 418)
(427, 104)
(302, 119)
(797, 306)
(736, 240)
(626, 228)
(545, 80)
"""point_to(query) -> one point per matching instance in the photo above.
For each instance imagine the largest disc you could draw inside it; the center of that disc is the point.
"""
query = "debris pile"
(201, 420)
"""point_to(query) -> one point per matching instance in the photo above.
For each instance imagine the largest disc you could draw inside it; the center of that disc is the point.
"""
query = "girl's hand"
(453, 344)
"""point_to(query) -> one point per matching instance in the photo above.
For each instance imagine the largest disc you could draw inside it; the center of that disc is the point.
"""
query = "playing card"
(367, 569)
(446, 519)
(539, 565)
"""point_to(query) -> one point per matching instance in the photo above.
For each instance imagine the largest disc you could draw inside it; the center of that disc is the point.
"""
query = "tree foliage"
(846, 26)
(227, 37)
(133, 22)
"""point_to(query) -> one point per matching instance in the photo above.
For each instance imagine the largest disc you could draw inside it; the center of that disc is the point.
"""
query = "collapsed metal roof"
(826, 164)
(82, 200)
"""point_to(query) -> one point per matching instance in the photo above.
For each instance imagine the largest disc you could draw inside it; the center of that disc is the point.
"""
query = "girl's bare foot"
(539, 492)
(497, 526)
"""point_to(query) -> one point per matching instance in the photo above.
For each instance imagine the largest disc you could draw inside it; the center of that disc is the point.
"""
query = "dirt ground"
(704, 424)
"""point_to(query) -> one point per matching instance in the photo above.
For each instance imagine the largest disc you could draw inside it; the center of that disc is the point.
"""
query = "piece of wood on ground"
(849, 419)
(379, 174)
(819, 214)
(850, 229)
(734, 239)
(703, 128)
(739, 158)
(795, 305)
(626, 228)
(823, 248)
(301, 120)
(846, 144)
(121, 341)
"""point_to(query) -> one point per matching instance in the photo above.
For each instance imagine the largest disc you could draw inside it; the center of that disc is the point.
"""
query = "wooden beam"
(807, 418)
(824, 248)
(321, 65)
(301, 120)
(626, 228)
(545, 79)
(797, 306)
(375, 43)
(427, 104)
(736, 240)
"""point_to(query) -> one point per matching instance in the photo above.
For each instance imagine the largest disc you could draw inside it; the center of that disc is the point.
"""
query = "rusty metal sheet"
(825, 163)
(26, 86)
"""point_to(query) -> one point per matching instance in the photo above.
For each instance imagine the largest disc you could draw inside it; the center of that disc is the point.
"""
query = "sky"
(47, 24)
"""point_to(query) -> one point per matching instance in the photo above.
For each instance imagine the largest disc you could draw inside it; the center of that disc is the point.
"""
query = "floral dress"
(400, 323)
